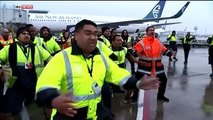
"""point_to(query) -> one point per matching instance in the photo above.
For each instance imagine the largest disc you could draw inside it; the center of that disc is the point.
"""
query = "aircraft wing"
(122, 23)
(161, 24)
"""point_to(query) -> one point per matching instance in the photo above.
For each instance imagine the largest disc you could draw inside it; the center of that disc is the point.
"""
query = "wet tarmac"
(189, 88)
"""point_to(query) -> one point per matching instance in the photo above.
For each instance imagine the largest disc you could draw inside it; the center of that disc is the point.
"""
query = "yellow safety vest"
(102, 47)
(129, 41)
(173, 38)
(184, 40)
(105, 41)
(212, 40)
(51, 45)
(121, 55)
(72, 76)
(41, 55)
(38, 41)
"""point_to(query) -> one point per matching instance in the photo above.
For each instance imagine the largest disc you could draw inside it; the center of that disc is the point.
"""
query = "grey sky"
(198, 13)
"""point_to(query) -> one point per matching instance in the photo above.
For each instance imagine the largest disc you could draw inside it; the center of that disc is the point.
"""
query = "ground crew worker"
(33, 35)
(5, 37)
(65, 40)
(122, 53)
(27, 62)
(49, 41)
(105, 36)
(210, 41)
(106, 89)
(127, 42)
(173, 45)
(150, 51)
(75, 89)
(187, 41)
(105, 39)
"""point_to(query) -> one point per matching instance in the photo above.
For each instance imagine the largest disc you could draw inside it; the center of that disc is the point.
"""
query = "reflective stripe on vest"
(161, 71)
(147, 62)
(70, 78)
(143, 57)
(40, 55)
(144, 71)
(149, 72)
(39, 41)
(99, 45)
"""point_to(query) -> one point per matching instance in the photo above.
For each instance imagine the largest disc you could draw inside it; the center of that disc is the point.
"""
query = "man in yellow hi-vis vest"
(105, 36)
(26, 61)
(74, 89)
(173, 44)
(186, 42)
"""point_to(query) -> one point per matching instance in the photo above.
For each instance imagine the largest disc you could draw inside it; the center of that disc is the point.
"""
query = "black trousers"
(132, 64)
(186, 50)
(138, 75)
(161, 90)
(106, 93)
(163, 79)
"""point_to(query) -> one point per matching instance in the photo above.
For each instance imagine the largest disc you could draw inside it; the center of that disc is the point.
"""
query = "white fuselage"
(58, 22)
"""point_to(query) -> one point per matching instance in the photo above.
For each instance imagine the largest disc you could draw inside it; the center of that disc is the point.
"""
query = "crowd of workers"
(74, 77)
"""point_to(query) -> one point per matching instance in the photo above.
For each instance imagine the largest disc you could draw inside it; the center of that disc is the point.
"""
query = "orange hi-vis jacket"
(6, 42)
(150, 51)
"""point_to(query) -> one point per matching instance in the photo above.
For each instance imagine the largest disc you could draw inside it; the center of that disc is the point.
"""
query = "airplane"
(139, 25)
(58, 22)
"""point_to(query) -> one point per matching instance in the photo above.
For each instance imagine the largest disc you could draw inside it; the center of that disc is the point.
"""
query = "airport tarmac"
(189, 88)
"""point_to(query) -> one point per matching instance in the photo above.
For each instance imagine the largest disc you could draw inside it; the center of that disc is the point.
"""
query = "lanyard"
(25, 51)
(89, 69)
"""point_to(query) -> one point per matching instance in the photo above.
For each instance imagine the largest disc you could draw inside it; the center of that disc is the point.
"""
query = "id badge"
(96, 88)
(28, 65)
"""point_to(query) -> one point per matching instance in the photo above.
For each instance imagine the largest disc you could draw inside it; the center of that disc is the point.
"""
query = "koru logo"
(156, 11)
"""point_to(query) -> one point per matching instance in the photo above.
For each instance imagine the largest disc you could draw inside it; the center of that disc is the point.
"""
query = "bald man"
(5, 38)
